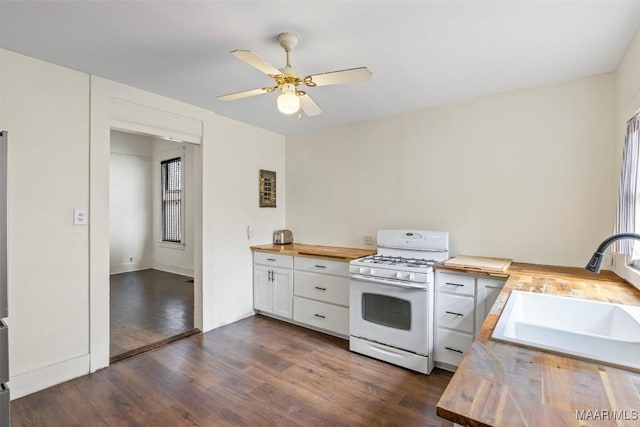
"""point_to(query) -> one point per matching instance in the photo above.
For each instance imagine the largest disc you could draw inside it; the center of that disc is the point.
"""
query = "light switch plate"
(80, 216)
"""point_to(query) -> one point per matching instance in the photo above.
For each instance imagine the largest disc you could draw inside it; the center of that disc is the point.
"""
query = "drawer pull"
(455, 314)
(320, 316)
(493, 287)
(320, 288)
(320, 266)
(453, 284)
(455, 350)
(271, 259)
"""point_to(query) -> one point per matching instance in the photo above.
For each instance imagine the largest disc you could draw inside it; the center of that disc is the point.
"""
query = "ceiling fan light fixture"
(288, 101)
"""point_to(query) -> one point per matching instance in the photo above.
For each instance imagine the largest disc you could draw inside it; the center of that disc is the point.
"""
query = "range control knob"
(402, 276)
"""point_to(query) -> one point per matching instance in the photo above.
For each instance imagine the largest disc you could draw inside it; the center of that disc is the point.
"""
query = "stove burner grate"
(399, 261)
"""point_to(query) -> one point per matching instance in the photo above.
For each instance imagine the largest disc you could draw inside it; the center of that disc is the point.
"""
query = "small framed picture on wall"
(267, 189)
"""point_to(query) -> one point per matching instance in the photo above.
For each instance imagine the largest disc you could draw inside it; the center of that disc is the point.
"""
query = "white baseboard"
(30, 382)
(172, 269)
(126, 268)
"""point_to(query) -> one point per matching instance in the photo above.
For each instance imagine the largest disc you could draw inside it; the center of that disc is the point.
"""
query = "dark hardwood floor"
(255, 372)
(148, 307)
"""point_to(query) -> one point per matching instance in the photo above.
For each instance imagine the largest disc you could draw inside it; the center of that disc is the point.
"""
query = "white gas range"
(391, 298)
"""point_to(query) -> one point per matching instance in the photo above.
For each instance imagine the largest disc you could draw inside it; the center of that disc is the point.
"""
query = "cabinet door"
(282, 292)
(262, 289)
(488, 291)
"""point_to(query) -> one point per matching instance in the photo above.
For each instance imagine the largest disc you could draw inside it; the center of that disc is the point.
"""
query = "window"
(628, 212)
(171, 176)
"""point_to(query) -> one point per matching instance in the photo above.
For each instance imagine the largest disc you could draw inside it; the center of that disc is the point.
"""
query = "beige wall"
(232, 158)
(628, 83)
(526, 174)
(130, 207)
(45, 109)
(627, 94)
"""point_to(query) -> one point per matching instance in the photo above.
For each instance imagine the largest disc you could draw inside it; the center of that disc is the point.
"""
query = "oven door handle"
(388, 282)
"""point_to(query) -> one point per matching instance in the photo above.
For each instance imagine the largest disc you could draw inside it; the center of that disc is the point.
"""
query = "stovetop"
(394, 268)
(404, 256)
(397, 261)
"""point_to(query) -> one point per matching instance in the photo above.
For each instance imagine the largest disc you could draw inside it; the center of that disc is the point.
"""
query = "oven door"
(389, 314)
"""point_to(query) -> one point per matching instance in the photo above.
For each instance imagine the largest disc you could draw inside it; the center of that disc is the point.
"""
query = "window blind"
(171, 175)
(627, 218)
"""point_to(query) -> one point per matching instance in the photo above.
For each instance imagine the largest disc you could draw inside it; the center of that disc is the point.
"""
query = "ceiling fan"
(287, 80)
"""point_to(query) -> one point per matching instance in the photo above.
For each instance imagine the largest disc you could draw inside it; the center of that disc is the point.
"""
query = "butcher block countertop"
(346, 254)
(500, 384)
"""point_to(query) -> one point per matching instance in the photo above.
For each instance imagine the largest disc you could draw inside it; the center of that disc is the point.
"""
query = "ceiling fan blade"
(244, 94)
(309, 106)
(255, 61)
(338, 77)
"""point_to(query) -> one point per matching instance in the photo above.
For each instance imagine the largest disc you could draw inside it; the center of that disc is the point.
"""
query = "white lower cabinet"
(462, 302)
(321, 289)
(273, 289)
(311, 291)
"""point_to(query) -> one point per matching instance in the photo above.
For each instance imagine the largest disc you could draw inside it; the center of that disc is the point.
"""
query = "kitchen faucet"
(596, 260)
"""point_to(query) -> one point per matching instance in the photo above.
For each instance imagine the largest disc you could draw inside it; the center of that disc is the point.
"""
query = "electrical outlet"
(80, 216)
(368, 240)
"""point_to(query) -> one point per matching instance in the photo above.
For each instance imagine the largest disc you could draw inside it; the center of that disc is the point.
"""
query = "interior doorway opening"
(151, 249)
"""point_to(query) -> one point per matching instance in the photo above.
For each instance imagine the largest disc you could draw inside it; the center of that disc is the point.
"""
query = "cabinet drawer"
(4, 352)
(455, 312)
(491, 283)
(275, 260)
(322, 287)
(321, 315)
(451, 346)
(456, 283)
(321, 265)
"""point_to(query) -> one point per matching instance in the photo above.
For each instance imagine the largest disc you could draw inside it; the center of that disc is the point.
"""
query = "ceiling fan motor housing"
(288, 41)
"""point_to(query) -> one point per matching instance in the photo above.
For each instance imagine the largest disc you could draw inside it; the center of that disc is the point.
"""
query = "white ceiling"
(421, 53)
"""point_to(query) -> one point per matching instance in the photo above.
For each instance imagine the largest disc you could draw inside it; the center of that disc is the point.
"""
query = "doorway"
(151, 247)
